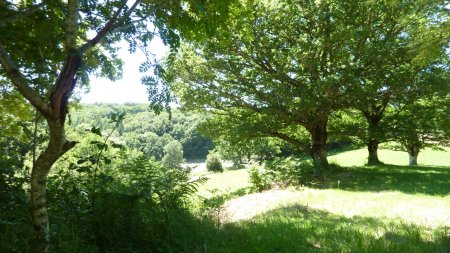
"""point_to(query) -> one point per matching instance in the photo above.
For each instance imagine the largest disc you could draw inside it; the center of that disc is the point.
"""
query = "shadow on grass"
(294, 228)
(407, 179)
(300, 229)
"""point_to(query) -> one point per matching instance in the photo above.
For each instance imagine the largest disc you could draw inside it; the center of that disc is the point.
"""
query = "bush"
(282, 172)
(259, 179)
(173, 155)
(135, 210)
(290, 171)
(213, 163)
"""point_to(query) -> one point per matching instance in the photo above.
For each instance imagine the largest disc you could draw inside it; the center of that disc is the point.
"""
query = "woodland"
(271, 126)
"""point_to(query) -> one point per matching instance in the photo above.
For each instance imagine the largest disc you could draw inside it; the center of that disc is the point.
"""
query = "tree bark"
(413, 152)
(372, 147)
(318, 152)
(373, 142)
(57, 146)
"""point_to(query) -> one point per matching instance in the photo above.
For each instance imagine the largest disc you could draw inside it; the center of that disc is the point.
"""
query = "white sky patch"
(128, 89)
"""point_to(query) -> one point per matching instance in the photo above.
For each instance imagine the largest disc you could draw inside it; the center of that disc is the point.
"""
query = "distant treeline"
(143, 130)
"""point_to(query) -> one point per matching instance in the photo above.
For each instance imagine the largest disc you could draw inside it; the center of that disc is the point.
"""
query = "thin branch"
(21, 83)
(110, 26)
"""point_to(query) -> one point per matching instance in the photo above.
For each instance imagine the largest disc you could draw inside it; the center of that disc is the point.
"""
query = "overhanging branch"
(298, 144)
(112, 24)
(21, 83)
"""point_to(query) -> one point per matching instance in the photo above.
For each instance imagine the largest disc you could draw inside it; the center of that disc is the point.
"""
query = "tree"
(400, 41)
(173, 155)
(275, 69)
(45, 61)
(421, 124)
(420, 120)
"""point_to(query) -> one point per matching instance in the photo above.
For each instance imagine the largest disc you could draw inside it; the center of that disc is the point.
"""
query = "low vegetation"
(386, 208)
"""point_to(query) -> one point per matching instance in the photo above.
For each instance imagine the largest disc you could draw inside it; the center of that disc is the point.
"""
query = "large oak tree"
(280, 68)
(276, 69)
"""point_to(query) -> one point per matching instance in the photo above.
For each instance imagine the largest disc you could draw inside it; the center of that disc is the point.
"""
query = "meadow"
(387, 208)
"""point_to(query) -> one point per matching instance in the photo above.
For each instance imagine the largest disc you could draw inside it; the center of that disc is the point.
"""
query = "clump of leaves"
(259, 178)
(282, 172)
(173, 155)
(213, 163)
(290, 171)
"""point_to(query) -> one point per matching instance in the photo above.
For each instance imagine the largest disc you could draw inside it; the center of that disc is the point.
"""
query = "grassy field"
(387, 208)
(427, 157)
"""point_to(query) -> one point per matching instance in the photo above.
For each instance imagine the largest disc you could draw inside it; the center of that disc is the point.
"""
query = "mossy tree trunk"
(57, 146)
(319, 136)
(373, 119)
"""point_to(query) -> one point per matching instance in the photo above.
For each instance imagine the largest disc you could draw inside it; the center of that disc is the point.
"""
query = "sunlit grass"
(358, 208)
(358, 157)
(297, 228)
(228, 181)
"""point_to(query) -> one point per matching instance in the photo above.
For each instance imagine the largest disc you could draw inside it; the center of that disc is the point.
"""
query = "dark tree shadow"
(407, 179)
(298, 228)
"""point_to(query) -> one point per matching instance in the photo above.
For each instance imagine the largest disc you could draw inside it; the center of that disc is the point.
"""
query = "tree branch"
(72, 27)
(298, 144)
(110, 26)
(21, 83)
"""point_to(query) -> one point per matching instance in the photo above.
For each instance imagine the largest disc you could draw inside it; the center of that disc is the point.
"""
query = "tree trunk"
(318, 151)
(372, 147)
(372, 143)
(413, 152)
(57, 146)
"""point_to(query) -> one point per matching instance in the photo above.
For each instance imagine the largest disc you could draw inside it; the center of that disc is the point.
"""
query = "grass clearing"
(386, 208)
(228, 181)
(428, 157)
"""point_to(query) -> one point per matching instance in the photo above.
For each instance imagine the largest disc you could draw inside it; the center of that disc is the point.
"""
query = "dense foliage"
(283, 69)
(146, 131)
(45, 61)
(214, 162)
(103, 184)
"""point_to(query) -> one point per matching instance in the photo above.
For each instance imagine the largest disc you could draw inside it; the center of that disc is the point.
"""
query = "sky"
(128, 89)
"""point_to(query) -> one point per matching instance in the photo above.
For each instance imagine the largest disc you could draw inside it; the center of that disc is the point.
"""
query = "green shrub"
(259, 179)
(136, 209)
(173, 155)
(213, 163)
(290, 171)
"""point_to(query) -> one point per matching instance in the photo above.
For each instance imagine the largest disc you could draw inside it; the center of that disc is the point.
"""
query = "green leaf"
(96, 130)
(107, 160)
(81, 161)
(84, 169)
(119, 146)
(100, 145)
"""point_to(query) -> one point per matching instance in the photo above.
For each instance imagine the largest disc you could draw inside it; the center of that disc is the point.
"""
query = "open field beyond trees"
(386, 208)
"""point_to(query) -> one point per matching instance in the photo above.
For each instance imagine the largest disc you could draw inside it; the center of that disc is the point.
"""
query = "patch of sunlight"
(228, 181)
(359, 157)
(417, 209)
(251, 205)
